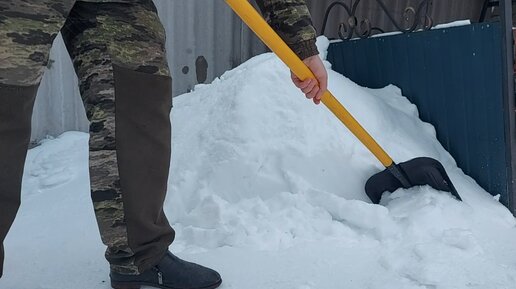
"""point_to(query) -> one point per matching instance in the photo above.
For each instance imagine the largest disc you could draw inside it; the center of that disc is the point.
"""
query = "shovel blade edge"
(419, 172)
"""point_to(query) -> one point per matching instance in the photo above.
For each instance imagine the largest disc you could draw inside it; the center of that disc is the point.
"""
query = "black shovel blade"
(418, 172)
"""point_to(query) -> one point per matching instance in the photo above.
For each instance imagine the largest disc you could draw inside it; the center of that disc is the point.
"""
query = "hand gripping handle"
(262, 29)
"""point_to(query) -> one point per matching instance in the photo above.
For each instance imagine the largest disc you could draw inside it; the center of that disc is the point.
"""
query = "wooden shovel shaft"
(262, 29)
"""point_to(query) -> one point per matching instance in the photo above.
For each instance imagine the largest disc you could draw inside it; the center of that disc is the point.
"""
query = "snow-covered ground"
(268, 188)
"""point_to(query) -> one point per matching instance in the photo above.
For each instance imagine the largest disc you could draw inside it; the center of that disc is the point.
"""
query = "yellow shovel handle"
(261, 28)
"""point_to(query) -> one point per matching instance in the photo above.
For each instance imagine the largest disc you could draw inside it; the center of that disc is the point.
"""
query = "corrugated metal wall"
(454, 76)
(204, 39)
(204, 29)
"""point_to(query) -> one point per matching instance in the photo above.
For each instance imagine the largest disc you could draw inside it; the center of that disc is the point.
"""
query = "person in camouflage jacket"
(118, 52)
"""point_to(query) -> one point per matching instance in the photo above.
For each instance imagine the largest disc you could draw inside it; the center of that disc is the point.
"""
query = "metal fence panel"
(454, 76)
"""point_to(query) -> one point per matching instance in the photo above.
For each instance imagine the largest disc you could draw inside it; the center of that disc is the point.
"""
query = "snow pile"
(266, 167)
(268, 188)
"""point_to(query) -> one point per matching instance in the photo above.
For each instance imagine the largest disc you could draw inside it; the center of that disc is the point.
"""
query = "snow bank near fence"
(268, 188)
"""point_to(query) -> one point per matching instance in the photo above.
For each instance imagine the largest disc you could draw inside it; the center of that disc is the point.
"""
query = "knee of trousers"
(16, 105)
(17, 102)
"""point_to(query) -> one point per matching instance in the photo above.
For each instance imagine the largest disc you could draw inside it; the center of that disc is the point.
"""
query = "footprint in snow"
(51, 171)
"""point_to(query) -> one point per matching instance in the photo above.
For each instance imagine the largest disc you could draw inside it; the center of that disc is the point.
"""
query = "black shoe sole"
(138, 285)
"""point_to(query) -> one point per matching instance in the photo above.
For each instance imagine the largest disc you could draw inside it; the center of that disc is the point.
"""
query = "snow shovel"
(416, 172)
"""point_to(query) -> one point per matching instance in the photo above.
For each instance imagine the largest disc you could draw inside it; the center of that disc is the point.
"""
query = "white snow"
(268, 189)
(453, 24)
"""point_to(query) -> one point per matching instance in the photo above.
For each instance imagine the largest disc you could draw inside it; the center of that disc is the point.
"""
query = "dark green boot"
(170, 273)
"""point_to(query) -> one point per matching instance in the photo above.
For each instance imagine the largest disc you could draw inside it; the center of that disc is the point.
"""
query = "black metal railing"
(414, 18)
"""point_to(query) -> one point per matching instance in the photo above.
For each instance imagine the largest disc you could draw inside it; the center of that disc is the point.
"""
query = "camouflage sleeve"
(292, 20)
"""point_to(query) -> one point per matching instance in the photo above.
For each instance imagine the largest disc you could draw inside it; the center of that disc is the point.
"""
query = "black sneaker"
(170, 273)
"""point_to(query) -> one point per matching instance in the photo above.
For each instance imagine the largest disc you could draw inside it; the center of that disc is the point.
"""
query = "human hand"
(313, 88)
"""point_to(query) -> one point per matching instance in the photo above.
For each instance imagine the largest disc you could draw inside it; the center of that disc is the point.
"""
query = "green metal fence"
(455, 76)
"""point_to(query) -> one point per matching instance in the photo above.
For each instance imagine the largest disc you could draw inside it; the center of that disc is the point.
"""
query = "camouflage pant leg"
(100, 37)
(27, 30)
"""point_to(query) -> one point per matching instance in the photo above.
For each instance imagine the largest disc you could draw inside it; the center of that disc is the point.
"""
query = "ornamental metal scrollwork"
(415, 16)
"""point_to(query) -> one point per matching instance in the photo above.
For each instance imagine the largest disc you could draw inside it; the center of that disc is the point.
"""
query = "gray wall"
(196, 29)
